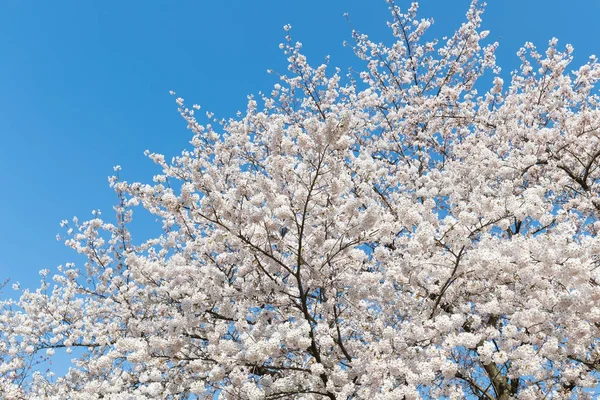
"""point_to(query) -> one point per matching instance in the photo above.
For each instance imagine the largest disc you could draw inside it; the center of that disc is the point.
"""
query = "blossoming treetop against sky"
(423, 226)
(86, 86)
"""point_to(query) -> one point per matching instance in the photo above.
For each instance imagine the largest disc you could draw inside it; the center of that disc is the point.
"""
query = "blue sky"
(84, 86)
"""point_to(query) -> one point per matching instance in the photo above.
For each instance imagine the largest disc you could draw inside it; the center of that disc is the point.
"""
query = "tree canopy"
(419, 228)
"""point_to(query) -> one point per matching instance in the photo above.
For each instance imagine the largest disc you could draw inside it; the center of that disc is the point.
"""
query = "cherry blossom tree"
(407, 231)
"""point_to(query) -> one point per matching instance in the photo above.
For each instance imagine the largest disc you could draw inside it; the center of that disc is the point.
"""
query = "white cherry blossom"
(400, 232)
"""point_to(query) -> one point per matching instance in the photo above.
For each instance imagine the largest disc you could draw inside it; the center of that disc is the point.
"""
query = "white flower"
(317, 369)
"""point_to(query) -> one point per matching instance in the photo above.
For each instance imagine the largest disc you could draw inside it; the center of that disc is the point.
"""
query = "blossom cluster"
(399, 232)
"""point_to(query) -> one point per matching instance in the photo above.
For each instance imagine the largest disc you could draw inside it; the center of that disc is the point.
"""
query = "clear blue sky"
(84, 86)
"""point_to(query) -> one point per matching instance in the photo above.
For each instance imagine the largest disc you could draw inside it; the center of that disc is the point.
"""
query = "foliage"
(388, 234)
